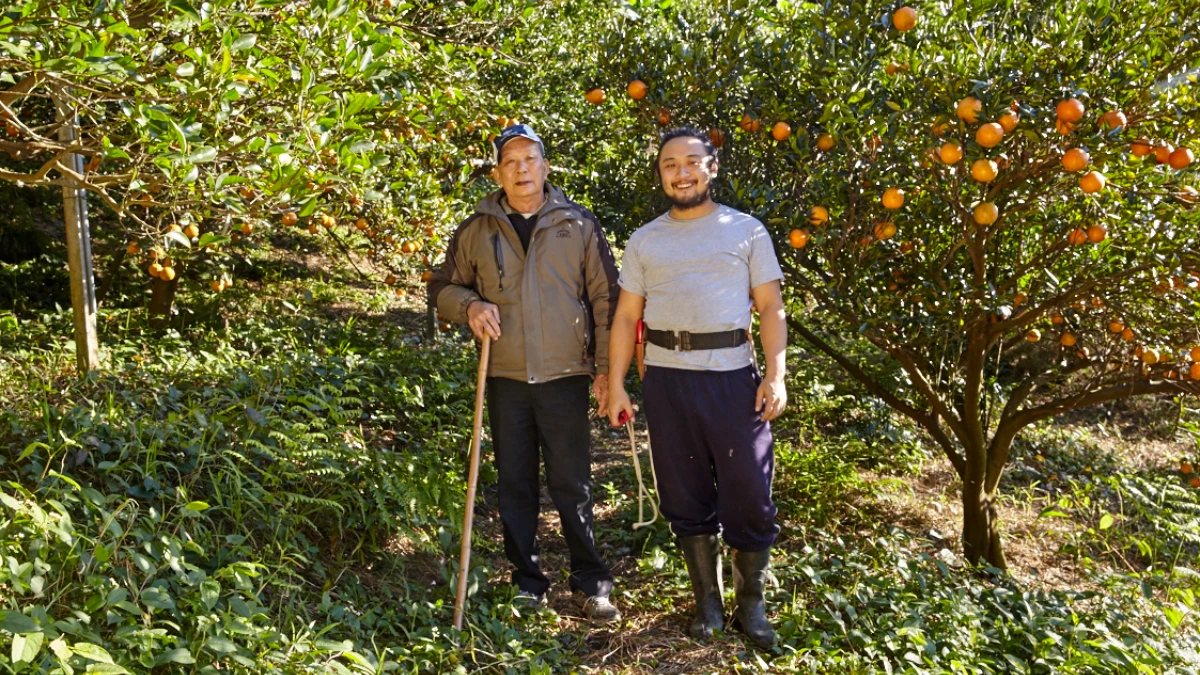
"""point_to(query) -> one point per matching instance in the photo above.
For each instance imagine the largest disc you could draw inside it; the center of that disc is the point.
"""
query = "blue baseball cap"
(515, 131)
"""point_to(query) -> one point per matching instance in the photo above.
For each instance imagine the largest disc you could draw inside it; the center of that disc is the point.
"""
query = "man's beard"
(690, 202)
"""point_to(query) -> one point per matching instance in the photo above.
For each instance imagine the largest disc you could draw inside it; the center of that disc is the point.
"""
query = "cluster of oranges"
(1188, 471)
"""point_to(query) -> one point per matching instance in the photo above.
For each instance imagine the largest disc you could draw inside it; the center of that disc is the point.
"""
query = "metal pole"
(79, 249)
(464, 563)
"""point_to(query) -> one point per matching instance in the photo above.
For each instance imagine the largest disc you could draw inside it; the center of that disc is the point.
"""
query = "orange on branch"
(986, 213)
(1113, 119)
(155, 269)
(1097, 233)
(893, 198)
(1070, 110)
(885, 230)
(1181, 158)
(1115, 326)
(1127, 334)
(637, 90)
(1092, 181)
(904, 19)
(1140, 148)
(167, 274)
(984, 170)
(1195, 354)
(247, 229)
(595, 96)
(1008, 121)
(1067, 339)
(1077, 236)
(825, 142)
(716, 137)
(1151, 356)
(1033, 335)
(781, 131)
(664, 116)
(191, 232)
(1056, 319)
(818, 216)
(1076, 159)
(968, 109)
(798, 238)
(950, 153)
(290, 218)
(1162, 153)
(1064, 128)
(989, 135)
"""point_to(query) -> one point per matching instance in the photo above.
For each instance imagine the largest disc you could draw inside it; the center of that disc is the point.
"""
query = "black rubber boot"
(702, 554)
(750, 612)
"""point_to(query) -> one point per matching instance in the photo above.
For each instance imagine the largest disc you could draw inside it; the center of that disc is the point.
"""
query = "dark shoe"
(750, 613)
(598, 608)
(702, 554)
(528, 600)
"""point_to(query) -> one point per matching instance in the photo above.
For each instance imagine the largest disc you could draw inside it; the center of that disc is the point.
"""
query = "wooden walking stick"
(464, 564)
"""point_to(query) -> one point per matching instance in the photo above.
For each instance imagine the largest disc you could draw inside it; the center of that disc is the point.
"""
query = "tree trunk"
(980, 534)
(162, 297)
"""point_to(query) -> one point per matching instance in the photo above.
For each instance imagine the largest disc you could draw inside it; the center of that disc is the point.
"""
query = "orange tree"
(203, 124)
(985, 214)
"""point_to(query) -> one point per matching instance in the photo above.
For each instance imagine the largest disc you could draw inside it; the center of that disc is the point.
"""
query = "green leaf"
(196, 506)
(157, 598)
(210, 592)
(203, 155)
(180, 238)
(91, 652)
(180, 655)
(1106, 521)
(26, 647)
(107, 669)
(17, 623)
(243, 43)
(186, 69)
(60, 648)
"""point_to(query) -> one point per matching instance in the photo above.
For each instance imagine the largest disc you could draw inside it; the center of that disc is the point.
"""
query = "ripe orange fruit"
(798, 238)
(1077, 237)
(1181, 158)
(1033, 335)
(133, 248)
(155, 269)
(637, 90)
(361, 224)
(595, 96)
(1194, 371)
(906, 247)
(716, 137)
(939, 128)
(1064, 128)
(390, 280)
(1127, 334)
(1019, 299)
(1116, 326)
(1162, 153)
(748, 124)
(904, 19)
(1195, 482)
(892, 68)
(968, 109)
(1195, 354)
(167, 274)
(825, 142)
(950, 153)
(217, 286)
(327, 220)
(885, 230)
(781, 131)
(1185, 468)
(408, 247)
(1097, 302)
(1150, 356)
(1056, 319)
(984, 170)
(1113, 119)
(989, 135)
(1070, 110)
(986, 213)
(1076, 159)
(893, 198)
(1067, 339)
(1092, 181)
(191, 232)
(400, 292)
(1140, 148)
(290, 218)
(1008, 121)
(426, 276)
(1096, 233)
(819, 216)
(664, 116)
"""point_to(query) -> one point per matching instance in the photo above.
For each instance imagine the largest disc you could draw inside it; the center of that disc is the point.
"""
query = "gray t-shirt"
(696, 275)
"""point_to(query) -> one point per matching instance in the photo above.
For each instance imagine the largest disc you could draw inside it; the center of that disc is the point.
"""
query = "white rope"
(643, 493)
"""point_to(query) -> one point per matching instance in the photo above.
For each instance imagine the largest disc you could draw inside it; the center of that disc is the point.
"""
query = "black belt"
(686, 342)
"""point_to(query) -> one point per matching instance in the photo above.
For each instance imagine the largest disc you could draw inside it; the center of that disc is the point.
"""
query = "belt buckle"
(684, 341)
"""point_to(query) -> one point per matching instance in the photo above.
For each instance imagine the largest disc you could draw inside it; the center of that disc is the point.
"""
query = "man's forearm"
(620, 348)
(772, 332)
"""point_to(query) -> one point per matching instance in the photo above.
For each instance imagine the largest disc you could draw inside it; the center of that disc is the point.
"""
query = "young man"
(695, 274)
(532, 270)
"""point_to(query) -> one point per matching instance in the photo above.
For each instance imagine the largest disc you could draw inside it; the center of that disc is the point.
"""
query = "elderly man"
(695, 274)
(532, 270)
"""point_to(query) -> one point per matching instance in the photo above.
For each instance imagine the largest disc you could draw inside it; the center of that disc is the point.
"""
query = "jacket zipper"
(499, 257)
(587, 329)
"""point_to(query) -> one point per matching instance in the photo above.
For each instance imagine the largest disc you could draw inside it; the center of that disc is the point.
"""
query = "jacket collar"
(556, 208)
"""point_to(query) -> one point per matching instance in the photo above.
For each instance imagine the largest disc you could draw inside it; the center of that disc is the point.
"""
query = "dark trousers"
(713, 456)
(552, 418)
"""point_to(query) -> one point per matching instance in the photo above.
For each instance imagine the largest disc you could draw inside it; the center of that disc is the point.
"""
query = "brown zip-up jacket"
(556, 302)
